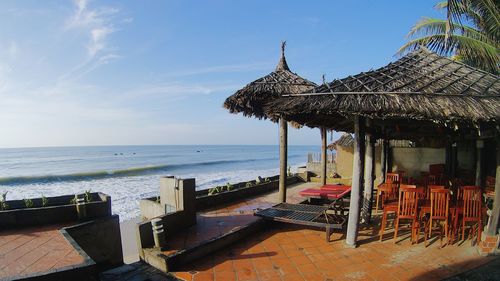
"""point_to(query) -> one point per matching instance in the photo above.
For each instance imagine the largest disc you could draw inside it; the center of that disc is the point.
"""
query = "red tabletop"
(335, 187)
(322, 193)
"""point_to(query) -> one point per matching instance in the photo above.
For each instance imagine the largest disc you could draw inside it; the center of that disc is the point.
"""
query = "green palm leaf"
(469, 50)
(430, 26)
(476, 44)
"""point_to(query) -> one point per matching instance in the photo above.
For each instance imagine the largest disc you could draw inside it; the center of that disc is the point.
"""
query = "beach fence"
(316, 157)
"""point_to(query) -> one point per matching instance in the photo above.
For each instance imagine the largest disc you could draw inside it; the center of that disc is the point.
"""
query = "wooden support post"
(357, 180)
(454, 159)
(383, 162)
(366, 209)
(448, 159)
(479, 161)
(323, 156)
(388, 157)
(283, 159)
(492, 227)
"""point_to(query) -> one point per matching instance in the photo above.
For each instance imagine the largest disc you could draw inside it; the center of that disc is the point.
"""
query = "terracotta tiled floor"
(288, 252)
(217, 221)
(32, 250)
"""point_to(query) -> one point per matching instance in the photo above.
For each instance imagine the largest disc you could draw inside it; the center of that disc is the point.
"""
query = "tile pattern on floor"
(35, 249)
(289, 252)
(217, 221)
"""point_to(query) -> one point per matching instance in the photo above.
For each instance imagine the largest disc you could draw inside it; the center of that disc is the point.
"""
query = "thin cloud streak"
(97, 23)
(222, 69)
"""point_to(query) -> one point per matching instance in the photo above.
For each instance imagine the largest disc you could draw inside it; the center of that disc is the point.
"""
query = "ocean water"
(129, 173)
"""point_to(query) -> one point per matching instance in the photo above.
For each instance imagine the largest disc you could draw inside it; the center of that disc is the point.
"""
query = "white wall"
(416, 159)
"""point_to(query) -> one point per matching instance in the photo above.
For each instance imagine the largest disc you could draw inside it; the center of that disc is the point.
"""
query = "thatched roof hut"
(345, 140)
(250, 99)
(421, 86)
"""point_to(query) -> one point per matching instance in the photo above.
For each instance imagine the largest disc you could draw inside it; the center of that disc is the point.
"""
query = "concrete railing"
(100, 239)
(59, 209)
(241, 192)
(152, 207)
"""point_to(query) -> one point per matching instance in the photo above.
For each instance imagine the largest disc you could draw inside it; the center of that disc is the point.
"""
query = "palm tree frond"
(432, 26)
(471, 51)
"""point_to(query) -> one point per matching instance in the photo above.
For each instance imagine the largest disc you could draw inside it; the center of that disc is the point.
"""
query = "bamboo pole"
(323, 156)
(283, 159)
(479, 161)
(382, 161)
(357, 179)
(388, 157)
(454, 151)
(368, 176)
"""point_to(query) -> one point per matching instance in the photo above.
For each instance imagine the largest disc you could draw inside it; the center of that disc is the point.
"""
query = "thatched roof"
(420, 86)
(250, 99)
(346, 140)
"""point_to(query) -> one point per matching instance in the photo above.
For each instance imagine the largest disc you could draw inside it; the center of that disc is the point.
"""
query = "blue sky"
(157, 72)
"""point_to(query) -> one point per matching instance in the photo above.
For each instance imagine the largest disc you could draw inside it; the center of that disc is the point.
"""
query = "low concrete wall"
(176, 221)
(209, 201)
(57, 211)
(172, 224)
(173, 262)
(315, 167)
(238, 185)
(151, 208)
(186, 256)
(100, 239)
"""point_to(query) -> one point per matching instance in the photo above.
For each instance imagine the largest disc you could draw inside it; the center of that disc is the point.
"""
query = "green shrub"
(267, 180)
(3, 201)
(249, 184)
(88, 196)
(229, 186)
(214, 190)
(45, 201)
(28, 203)
(73, 200)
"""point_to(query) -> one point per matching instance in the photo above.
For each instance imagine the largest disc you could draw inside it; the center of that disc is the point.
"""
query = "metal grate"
(287, 214)
(300, 207)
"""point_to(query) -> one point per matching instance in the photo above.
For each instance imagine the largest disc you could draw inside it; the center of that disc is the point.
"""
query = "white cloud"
(97, 23)
(177, 90)
(5, 70)
(222, 69)
(13, 50)
(98, 39)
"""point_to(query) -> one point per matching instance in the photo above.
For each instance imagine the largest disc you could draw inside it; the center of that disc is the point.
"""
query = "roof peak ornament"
(282, 65)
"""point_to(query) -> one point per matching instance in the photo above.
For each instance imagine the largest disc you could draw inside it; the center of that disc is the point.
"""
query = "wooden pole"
(357, 179)
(366, 210)
(448, 159)
(388, 157)
(383, 160)
(323, 156)
(479, 161)
(283, 159)
(492, 227)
